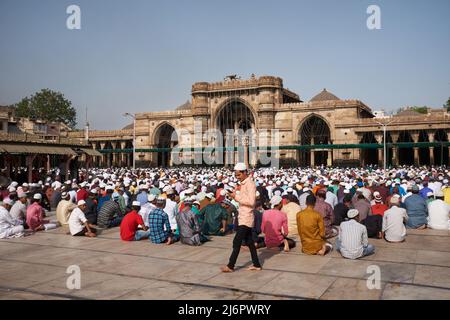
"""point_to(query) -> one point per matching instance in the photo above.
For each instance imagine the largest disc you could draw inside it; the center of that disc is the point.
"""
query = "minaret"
(86, 128)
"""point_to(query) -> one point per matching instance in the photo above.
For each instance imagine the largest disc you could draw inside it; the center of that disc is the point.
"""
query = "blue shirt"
(102, 200)
(417, 210)
(159, 225)
(424, 191)
(142, 197)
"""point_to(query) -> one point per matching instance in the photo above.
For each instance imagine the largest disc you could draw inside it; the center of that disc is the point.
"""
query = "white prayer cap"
(25, 185)
(290, 190)
(276, 200)
(22, 195)
(346, 191)
(37, 196)
(136, 204)
(305, 189)
(429, 193)
(240, 166)
(8, 201)
(352, 213)
(257, 194)
(439, 194)
(14, 184)
(93, 191)
(81, 202)
(169, 191)
(68, 182)
(151, 197)
(11, 189)
(277, 193)
(223, 192)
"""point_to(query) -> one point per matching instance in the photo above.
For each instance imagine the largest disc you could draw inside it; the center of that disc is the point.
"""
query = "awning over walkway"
(91, 152)
(35, 149)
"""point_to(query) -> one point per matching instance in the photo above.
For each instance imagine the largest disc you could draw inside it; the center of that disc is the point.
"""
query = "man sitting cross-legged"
(275, 226)
(159, 225)
(311, 229)
(132, 226)
(352, 241)
(78, 224)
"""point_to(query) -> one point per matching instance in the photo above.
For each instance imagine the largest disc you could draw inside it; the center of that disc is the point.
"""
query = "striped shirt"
(353, 238)
(109, 210)
(159, 226)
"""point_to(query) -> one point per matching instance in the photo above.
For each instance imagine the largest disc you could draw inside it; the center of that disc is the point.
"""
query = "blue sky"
(135, 56)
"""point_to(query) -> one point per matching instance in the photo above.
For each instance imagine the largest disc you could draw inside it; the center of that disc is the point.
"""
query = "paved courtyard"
(34, 267)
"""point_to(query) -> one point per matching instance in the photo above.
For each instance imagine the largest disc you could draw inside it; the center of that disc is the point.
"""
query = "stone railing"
(238, 84)
(101, 133)
(14, 137)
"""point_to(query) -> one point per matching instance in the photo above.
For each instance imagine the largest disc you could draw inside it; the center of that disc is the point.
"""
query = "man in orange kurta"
(311, 229)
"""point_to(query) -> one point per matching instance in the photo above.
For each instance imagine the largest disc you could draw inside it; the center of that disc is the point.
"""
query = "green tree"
(423, 109)
(447, 105)
(47, 105)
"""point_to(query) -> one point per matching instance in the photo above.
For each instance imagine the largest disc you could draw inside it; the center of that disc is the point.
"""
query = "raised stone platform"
(34, 267)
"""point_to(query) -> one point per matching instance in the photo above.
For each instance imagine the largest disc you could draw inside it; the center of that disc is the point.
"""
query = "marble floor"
(37, 267)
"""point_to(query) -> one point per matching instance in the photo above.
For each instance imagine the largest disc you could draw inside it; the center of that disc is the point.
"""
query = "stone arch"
(405, 155)
(314, 130)
(163, 138)
(441, 152)
(237, 122)
(369, 156)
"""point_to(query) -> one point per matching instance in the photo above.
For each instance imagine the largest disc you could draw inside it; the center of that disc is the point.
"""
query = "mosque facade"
(256, 119)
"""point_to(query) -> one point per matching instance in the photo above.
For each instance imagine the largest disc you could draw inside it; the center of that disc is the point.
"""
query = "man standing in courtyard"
(246, 196)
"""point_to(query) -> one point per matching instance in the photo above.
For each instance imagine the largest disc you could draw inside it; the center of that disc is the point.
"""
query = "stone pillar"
(29, 161)
(431, 149)
(415, 137)
(245, 144)
(448, 139)
(330, 158)
(123, 144)
(104, 155)
(48, 162)
(395, 160)
(311, 154)
(114, 155)
(416, 156)
(379, 138)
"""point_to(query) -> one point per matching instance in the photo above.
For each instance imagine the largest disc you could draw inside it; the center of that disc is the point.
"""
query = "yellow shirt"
(291, 209)
(311, 230)
(447, 195)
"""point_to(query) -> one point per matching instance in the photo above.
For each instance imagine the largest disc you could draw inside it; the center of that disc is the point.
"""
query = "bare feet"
(286, 246)
(226, 269)
(169, 241)
(253, 268)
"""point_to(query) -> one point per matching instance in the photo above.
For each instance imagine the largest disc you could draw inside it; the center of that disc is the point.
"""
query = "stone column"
(379, 138)
(431, 149)
(311, 154)
(245, 144)
(415, 137)
(395, 160)
(48, 162)
(330, 157)
(448, 139)
(29, 161)
(104, 155)
(122, 154)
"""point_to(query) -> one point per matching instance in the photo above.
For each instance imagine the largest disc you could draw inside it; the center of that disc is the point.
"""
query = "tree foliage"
(423, 109)
(447, 105)
(47, 105)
